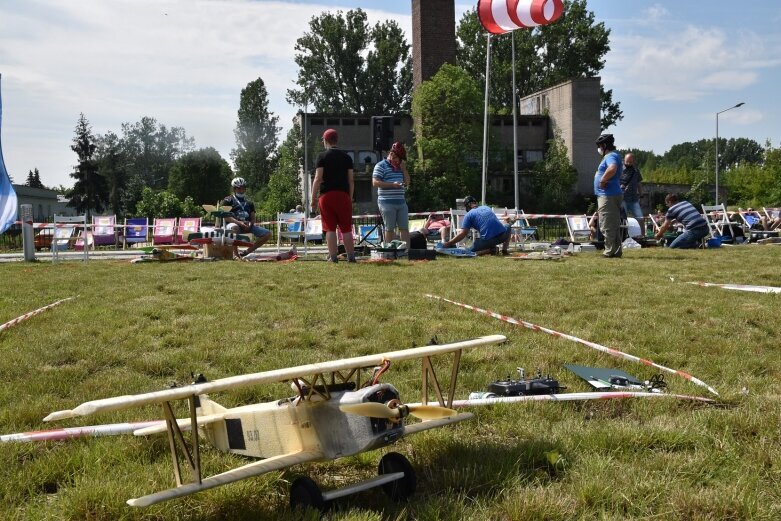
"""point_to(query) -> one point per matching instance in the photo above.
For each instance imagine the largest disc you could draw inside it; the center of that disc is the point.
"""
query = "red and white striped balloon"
(503, 16)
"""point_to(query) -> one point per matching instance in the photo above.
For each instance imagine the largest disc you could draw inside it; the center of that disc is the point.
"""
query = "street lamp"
(717, 146)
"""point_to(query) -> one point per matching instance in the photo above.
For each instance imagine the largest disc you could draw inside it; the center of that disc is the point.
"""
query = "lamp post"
(717, 146)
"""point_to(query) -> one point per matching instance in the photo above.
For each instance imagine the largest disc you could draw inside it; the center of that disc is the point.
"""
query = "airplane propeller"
(381, 410)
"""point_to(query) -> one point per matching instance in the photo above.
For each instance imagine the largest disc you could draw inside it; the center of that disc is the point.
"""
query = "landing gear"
(404, 487)
(304, 493)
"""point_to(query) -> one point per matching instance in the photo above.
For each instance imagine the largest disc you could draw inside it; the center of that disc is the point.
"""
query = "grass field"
(137, 328)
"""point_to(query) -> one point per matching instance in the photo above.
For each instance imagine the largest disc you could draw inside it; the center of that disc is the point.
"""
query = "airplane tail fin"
(208, 407)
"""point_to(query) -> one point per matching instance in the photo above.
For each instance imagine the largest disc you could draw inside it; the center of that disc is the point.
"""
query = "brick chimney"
(433, 37)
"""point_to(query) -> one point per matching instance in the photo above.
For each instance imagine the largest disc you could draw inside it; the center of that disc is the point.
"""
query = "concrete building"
(574, 110)
(46, 203)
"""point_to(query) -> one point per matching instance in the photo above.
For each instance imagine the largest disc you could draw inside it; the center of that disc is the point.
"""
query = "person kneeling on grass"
(492, 231)
(695, 228)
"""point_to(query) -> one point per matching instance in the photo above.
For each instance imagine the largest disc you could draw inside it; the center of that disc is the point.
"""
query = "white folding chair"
(64, 226)
(291, 226)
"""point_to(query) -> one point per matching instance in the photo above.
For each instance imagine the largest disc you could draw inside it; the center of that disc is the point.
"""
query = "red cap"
(330, 136)
(399, 150)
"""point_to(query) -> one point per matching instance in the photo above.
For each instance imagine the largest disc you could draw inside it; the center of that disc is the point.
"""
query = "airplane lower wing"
(252, 469)
(414, 428)
(184, 424)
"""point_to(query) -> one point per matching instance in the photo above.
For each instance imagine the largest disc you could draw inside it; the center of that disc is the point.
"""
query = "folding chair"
(291, 226)
(773, 217)
(718, 220)
(369, 234)
(136, 230)
(186, 226)
(314, 230)
(523, 231)
(104, 230)
(754, 227)
(578, 228)
(64, 226)
(456, 222)
(164, 231)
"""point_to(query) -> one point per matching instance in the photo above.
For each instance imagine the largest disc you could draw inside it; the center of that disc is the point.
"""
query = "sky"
(673, 65)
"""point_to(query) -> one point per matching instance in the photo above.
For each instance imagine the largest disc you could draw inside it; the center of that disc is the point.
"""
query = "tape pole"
(598, 347)
(24, 317)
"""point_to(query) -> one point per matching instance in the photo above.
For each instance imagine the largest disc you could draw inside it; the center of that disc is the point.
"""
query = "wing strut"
(428, 371)
(175, 436)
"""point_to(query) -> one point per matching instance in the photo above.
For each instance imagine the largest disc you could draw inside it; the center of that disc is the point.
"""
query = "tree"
(149, 150)
(572, 47)
(34, 179)
(347, 67)
(111, 165)
(163, 203)
(256, 136)
(284, 187)
(202, 175)
(554, 178)
(449, 107)
(90, 192)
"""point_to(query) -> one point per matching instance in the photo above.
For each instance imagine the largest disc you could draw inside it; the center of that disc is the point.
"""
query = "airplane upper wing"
(252, 469)
(278, 375)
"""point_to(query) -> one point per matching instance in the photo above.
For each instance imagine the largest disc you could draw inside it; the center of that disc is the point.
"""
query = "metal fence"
(548, 230)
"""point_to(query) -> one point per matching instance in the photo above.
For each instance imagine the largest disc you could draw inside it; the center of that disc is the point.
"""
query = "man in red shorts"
(334, 183)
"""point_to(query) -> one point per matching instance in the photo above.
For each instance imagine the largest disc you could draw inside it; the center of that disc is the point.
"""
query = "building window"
(533, 156)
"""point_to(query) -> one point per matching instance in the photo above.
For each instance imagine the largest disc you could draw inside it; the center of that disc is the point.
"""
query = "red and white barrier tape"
(740, 287)
(598, 347)
(24, 317)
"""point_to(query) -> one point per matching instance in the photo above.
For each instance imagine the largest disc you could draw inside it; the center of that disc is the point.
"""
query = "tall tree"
(347, 66)
(449, 105)
(149, 150)
(111, 165)
(202, 175)
(284, 186)
(256, 137)
(90, 192)
(572, 47)
(34, 179)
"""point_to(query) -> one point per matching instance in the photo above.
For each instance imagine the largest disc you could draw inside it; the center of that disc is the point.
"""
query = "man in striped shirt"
(695, 228)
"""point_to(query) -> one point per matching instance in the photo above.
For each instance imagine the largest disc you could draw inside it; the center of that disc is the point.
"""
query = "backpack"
(417, 241)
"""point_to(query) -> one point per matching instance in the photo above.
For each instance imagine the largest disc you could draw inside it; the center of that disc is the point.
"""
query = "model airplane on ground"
(340, 408)
(220, 235)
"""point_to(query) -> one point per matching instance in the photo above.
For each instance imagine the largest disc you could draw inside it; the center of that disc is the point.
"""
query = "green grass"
(137, 328)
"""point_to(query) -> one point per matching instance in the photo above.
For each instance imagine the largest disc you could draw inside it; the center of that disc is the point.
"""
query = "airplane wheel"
(304, 493)
(402, 488)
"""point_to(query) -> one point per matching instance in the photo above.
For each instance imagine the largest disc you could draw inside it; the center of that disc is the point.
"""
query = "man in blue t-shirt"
(492, 231)
(607, 188)
(695, 227)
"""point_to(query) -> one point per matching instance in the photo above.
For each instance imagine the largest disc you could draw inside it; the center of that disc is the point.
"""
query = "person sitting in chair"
(243, 219)
(436, 224)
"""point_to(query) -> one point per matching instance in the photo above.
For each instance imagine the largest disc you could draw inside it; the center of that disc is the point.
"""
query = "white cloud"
(656, 12)
(741, 116)
(680, 65)
(183, 62)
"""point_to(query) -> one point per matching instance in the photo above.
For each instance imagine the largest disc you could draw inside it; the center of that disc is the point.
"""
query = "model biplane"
(340, 408)
(220, 235)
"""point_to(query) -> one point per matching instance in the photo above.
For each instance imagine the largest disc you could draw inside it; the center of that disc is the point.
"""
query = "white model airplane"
(336, 412)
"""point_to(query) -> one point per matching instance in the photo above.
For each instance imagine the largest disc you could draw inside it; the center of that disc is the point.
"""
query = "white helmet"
(238, 182)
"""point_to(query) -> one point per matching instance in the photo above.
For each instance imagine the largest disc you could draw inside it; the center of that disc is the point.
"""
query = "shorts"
(394, 213)
(257, 231)
(336, 209)
(632, 209)
(496, 240)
